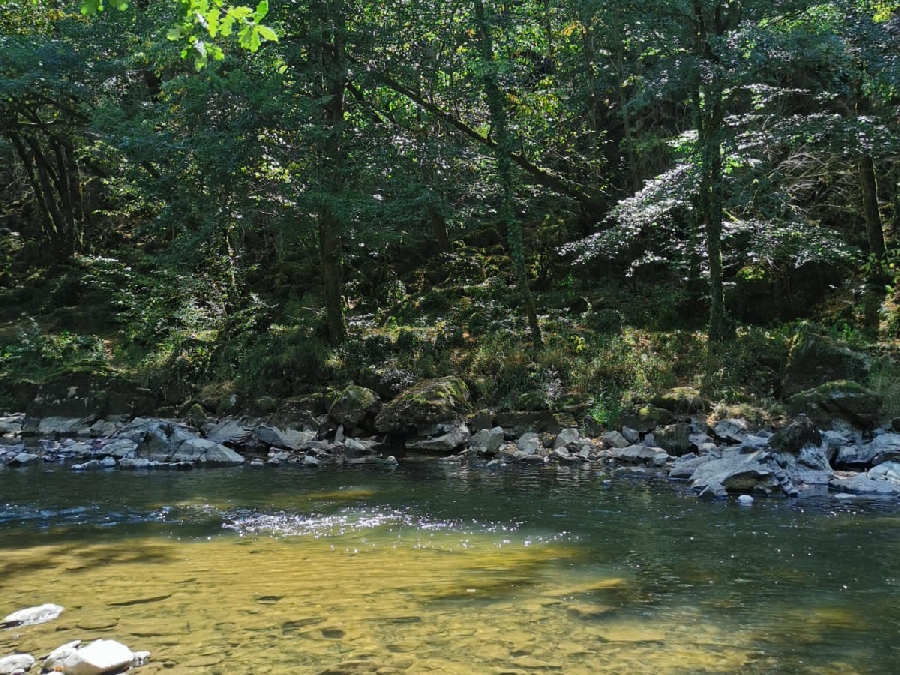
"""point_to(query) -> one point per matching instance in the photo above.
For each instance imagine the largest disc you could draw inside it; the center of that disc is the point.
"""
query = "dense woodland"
(572, 204)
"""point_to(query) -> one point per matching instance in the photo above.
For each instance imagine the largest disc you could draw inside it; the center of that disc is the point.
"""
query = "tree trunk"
(500, 124)
(869, 187)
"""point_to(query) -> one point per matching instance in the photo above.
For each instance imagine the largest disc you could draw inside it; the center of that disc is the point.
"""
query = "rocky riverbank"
(73, 658)
(716, 458)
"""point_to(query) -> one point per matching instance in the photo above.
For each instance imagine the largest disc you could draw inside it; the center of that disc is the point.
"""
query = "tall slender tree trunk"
(500, 124)
(328, 36)
(869, 188)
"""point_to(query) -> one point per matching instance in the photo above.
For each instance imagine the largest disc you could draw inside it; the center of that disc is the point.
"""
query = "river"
(426, 568)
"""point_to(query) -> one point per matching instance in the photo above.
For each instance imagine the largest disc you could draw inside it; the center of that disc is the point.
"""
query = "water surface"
(425, 568)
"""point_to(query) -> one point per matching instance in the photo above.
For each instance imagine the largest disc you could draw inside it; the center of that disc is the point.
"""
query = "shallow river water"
(426, 569)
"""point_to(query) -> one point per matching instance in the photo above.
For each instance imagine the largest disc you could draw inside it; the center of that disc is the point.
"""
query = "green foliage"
(34, 355)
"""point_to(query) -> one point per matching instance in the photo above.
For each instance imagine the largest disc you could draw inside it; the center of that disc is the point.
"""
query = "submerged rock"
(32, 615)
(54, 660)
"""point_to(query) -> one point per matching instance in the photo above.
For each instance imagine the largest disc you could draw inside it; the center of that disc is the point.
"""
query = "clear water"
(427, 569)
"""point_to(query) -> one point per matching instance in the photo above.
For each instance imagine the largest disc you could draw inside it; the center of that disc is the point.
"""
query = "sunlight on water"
(427, 572)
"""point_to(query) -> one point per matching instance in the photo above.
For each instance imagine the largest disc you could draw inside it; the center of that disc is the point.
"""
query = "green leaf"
(175, 33)
(249, 38)
(212, 21)
(226, 25)
(239, 13)
(261, 10)
(121, 5)
(267, 33)
(90, 7)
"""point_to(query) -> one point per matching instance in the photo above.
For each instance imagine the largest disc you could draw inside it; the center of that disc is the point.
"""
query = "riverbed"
(434, 568)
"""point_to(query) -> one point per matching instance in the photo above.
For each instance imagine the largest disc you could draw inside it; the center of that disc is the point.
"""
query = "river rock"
(287, 439)
(16, 663)
(356, 447)
(863, 484)
(887, 471)
(529, 444)
(426, 403)
(230, 433)
(355, 407)
(206, 452)
(613, 439)
(647, 418)
(23, 458)
(54, 660)
(814, 359)
(58, 426)
(738, 472)
(454, 435)
(11, 424)
(630, 435)
(684, 466)
(120, 448)
(731, 430)
(136, 463)
(487, 441)
(843, 399)
(567, 438)
(684, 400)
(754, 442)
(800, 433)
(32, 615)
(745, 500)
(674, 438)
(640, 454)
(100, 656)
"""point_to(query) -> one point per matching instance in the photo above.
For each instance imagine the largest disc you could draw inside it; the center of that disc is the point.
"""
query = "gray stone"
(814, 458)
(32, 615)
(887, 471)
(16, 663)
(674, 438)
(231, 433)
(487, 441)
(709, 449)
(630, 435)
(567, 438)
(745, 500)
(359, 447)
(355, 407)
(206, 452)
(288, 439)
(752, 443)
(864, 485)
(23, 458)
(684, 466)
(640, 454)
(11, 424)
(713, 491)
(100, 656)
(309, 460)
(426, 403)
(62, 426)
(738, 472)
(91, 464)
(454, 435)
(613, 439)
(854, 456)
(120, 448)
(529, 443)
(731, 430)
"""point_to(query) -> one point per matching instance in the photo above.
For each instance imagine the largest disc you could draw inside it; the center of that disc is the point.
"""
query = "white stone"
(745, 500)
(100, 656)
(57, 656)
(487, 441)
(140, 658)
(32, 615)
(16, 663)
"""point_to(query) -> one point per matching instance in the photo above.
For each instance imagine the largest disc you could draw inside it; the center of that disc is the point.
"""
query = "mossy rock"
(647, 418)
(800, 433)
(195, 415)
(354, 406)
(814, 360)
(843, 399)
(684, 400)
(426, 403)
(532, 400)
(265, 405)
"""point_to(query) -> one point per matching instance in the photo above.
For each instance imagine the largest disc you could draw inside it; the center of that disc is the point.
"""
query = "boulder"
(120, 448)
(647, 418)
(355, 447)
(738, 472)
(425, 404)
(136, 463)
(355, 407)
(100, 656)
(206, 452)
(451, 436)
(681, 400)
(732, 430)
(529, 443)
(23, 458)
(11, 424)
(487, 441)
(32, 615)
(231, 433)
(16, 663)
(674, 438)
(814, 359)
(286, 439)
(843, 399)
(684, 466)
(518, 422)
(613, 439)
(800, 433)
(863, 484)
(567, 438)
